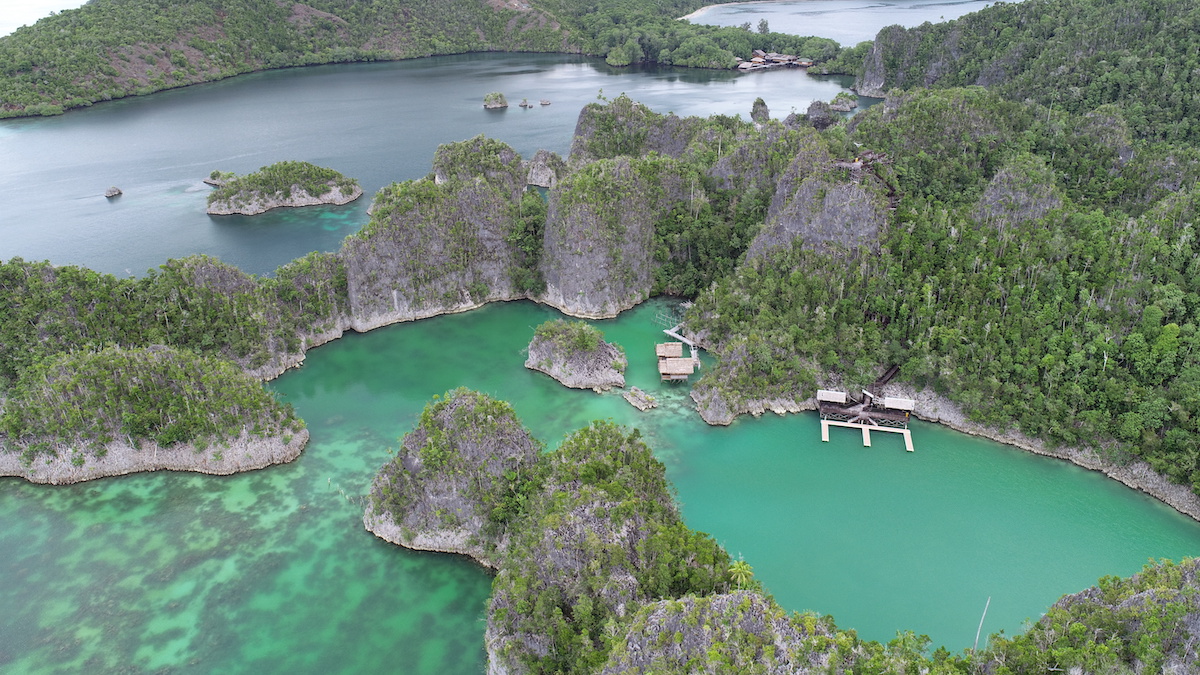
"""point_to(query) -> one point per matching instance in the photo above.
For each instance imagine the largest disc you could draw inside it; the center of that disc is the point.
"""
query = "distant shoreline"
(705, 8)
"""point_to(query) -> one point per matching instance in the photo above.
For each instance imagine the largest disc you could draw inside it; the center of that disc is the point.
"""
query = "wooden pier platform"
(866, 432)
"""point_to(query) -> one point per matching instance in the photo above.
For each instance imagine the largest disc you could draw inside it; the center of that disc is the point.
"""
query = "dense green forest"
(1030, 274)
(1074, 55)
(109, 49)
(87, 399)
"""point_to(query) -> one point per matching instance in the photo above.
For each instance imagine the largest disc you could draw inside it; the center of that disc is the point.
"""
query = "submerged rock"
(640, 399)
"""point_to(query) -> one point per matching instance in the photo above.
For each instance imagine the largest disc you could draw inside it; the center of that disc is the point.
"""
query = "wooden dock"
(866, 432)
(870, 414)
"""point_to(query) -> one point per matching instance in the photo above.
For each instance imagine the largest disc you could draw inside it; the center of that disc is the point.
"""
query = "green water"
(272, 572)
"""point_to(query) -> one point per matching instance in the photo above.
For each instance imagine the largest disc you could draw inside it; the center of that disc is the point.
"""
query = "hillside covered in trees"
(1074, 55)
(110, 49)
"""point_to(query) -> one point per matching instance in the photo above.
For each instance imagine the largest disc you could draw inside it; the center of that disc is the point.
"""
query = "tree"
(763, 26)
(741, 572)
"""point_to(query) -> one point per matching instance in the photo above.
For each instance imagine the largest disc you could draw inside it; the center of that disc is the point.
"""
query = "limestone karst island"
(792, 338)
(288, 183)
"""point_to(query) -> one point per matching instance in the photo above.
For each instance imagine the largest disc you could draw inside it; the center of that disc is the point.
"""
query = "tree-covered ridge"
(88, 399)
(113, 48)
(1074, 55)
(109, 49)
(279, 181)
(198, 304)
(1066, 305)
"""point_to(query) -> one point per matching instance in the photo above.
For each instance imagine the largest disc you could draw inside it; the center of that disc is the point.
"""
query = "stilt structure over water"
(672, 364)
(889, 413)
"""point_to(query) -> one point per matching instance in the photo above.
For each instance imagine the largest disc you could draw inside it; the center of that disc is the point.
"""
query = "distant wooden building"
(669, 350)
(671, 363)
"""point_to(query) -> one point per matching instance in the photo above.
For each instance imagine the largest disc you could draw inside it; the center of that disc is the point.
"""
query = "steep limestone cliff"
(597, 259)
(626, 127)
(815, 205)
(456, 479)
(438, 246)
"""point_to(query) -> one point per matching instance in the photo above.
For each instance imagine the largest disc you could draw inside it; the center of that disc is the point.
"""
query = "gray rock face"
(544, 169)
(450, 473)
(674, 635)
(244, 453)
(810, 206)
(254, 203)
(821, 115)
(601, 368)
(626, 127)
(438, 248)
(1021, 192)
(597, 258)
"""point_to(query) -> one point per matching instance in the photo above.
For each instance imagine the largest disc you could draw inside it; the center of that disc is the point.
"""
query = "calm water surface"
(378, 123)
(271, 571)
(847, 21)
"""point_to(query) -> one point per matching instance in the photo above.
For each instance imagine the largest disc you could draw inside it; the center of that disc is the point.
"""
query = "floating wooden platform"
(866, 432)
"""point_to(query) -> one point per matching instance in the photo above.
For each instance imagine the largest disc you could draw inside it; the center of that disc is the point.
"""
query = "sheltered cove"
(514, 174)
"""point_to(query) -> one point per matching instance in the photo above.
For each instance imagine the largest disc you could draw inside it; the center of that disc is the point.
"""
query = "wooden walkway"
(870, 414)
(866, 432)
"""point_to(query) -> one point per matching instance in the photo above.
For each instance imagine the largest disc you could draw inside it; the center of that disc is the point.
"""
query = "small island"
(575, 354)
(288, 183)
(495, 101)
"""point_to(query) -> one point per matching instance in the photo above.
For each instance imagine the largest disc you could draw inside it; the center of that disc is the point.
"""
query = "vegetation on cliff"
(279, 182)
(459, 477)
(1073, 55)
(110, 49)
(598, 574)
(88, 399)
(575, 354)
(1085, 341)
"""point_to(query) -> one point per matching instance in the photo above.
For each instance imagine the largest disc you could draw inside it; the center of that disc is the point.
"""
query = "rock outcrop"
(597, 259)
(252, 203)
(1024, 191)
(576, 355)
(544, 169)
(626, 127)
(454, 480)
(438, 246)
(119, 458)
(814, 206)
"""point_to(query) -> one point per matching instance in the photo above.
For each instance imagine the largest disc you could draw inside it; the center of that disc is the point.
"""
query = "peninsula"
(283, 184)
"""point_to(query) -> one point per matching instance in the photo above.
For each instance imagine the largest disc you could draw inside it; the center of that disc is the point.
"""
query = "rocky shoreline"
(254, 203)
(599, 369)
(120, 458)
(382, 525)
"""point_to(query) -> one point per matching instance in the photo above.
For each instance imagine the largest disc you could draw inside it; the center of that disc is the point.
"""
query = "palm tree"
(741, 572)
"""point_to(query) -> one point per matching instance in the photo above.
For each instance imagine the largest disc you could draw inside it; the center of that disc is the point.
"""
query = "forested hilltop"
(109, 49)
(1074, 55)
